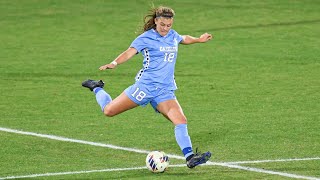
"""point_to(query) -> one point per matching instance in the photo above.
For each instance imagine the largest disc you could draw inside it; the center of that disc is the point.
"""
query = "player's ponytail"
(160, 11)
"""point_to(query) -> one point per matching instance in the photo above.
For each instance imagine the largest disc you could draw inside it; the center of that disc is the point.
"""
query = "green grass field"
(251, 94)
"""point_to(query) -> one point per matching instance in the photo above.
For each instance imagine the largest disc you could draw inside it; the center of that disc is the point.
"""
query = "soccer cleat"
(198, 159)
(91, 84)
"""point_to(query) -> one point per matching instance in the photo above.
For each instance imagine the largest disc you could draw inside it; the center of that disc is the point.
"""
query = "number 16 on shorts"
(139, 95)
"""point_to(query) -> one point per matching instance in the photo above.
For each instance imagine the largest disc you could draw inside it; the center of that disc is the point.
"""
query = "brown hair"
(160, 11)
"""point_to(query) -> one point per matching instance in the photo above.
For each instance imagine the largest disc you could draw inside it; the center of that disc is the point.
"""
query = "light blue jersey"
(160, 54)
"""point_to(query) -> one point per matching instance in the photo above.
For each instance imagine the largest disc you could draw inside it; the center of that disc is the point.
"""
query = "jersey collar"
(159, 36)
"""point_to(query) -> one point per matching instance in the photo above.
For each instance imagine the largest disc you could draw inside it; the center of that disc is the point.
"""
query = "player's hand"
(205, 37)
(107, 66)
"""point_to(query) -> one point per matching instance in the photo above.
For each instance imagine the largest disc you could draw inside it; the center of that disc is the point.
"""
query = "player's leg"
(118, 105)
(172, 110)
(108, 106)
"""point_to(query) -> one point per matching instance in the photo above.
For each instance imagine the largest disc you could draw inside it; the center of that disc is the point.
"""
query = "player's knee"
(183, 120)
(109, 112)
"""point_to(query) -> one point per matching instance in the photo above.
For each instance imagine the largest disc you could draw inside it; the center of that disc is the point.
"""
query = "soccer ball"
(157, 161)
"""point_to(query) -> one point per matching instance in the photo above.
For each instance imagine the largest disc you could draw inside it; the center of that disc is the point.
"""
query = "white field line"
(178, 165)
(59, 138)
(230, 165)
(274, 160)
(81, 172)
(70, 173)
(264, 171)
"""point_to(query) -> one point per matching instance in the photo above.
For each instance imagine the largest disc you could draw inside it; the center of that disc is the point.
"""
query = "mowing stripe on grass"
(229, 165)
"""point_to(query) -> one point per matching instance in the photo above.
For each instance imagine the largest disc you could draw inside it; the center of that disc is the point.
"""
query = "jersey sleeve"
(139, 43)
(178, 36)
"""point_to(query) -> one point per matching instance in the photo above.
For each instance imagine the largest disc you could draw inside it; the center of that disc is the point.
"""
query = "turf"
(252, 93)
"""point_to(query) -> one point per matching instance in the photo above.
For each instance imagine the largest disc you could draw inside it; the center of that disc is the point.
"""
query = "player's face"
(163, 25)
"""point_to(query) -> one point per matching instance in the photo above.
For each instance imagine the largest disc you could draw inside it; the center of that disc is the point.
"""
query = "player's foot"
(198, 159)
(91, 84)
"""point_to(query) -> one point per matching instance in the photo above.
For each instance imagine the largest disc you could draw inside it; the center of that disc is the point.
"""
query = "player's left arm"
(187, 39)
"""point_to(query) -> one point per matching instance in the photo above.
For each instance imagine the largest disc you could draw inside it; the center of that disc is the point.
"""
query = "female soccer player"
(155, 83)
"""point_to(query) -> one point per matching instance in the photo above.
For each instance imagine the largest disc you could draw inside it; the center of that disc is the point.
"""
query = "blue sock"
(102, 97)
(183, 139)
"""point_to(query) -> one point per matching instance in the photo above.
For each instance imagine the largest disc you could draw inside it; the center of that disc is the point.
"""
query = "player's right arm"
(122, 58)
